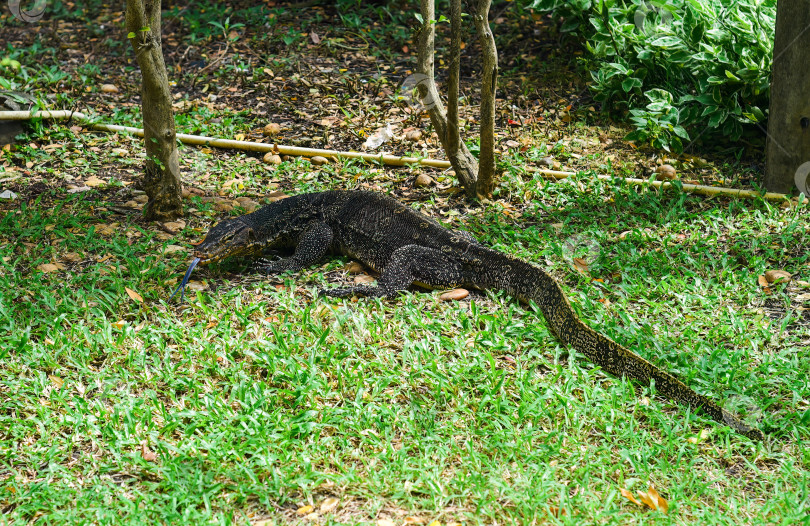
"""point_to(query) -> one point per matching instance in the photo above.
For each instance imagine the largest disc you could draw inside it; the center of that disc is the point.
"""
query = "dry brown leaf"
(271, 129)
(304, 510)
(329, 504)
(775, 276)
(661, 502)
(665, 172)
(271, 158)
(48, 267)
(147, 454)
(134, 295)
(648, 500)
(455, 294)
(56, 381)
(353, 267)
(120, 324)
(581, 265)
(629, 496)
(385, 522)
(362, 279)
(94, 181)
(171, 249)
(423, 180)
(762, 280)
(412, 520)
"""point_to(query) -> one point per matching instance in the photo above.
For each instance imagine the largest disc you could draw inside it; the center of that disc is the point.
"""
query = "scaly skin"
(407, 247)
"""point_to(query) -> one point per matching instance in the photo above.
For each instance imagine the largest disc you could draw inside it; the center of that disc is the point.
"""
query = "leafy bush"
(682, 68)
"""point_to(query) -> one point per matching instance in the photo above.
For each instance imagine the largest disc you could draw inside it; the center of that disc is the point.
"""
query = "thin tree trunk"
(460, 158)
(486, 159)
(453, 133)
(788, 145)
(162, 175)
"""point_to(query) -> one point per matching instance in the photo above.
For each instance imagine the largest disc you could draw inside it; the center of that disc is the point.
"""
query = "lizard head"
(228, 238)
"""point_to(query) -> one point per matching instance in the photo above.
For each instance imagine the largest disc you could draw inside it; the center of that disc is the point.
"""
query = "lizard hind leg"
(408, 265)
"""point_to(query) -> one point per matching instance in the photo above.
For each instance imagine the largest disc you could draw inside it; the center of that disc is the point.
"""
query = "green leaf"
(680, 132)
(130, 35)
(696, 35)
(630, 83)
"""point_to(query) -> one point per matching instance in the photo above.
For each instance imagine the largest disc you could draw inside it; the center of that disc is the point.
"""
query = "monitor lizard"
(406, 248)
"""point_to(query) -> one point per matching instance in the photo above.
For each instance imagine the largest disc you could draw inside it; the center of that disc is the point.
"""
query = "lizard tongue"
(182, 285)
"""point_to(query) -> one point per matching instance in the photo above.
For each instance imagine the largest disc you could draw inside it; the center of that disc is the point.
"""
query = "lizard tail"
(619, 360)
(530, 283)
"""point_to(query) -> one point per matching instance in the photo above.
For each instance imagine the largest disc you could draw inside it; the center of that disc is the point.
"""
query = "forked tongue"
(182, 285)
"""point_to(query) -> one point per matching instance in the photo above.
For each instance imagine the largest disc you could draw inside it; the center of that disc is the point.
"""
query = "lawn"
(257, 401)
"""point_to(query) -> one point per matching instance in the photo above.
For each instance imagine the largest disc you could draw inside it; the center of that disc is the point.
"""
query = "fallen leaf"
(455, 294)
(120, 324)
(361, 279)
(329, 504)
(56, 381)
(762, 280)
(665, 172)
(107, 230)
(423, 180)
(271, 158)
(775, 276)
(304, 510)
(134, 295)
(147, 454)
(171, 249)
(271, 129)
(354, 267)
(196, 286)
(661, 502)
(385, 522)
(94, 181)
(48, 267)
(581, 265)
(629, 496)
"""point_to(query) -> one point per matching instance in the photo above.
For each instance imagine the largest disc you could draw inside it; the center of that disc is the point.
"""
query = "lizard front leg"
(408, 265)
(313, 244)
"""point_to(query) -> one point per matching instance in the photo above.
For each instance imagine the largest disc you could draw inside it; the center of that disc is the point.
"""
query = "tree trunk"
(788, 146)
(460, 158)
(162, 175)
(486, 159)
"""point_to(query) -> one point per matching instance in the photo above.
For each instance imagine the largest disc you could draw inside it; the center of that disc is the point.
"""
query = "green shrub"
(682, 68)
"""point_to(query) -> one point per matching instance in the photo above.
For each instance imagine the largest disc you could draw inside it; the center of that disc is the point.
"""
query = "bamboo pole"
(393, 160)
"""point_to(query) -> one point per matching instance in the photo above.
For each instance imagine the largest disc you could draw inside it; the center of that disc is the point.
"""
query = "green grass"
(259, 399)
